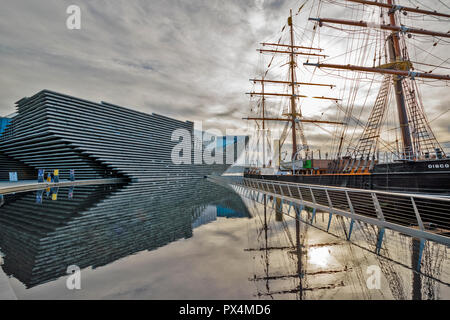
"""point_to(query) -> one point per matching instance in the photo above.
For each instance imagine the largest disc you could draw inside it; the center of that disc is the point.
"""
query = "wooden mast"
(286, 45)
(396, 56)
(404, 73)
(263, 122)
(296, 83)
(381, 26)
(293, 106)
(299, 120)
(295, 53)
(401, 8)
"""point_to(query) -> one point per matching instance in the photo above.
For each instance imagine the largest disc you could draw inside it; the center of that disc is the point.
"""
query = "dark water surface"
(199, 240)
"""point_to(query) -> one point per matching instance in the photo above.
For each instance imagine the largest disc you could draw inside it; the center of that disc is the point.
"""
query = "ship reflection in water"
(195, 240)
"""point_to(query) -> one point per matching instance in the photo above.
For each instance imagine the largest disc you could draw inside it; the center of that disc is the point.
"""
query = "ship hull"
(431, 176)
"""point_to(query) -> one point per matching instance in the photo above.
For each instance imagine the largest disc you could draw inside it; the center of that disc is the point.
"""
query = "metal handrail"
(369, 191)
(413, 214)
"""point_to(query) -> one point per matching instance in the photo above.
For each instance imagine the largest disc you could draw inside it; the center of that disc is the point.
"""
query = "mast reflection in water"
(297, 260)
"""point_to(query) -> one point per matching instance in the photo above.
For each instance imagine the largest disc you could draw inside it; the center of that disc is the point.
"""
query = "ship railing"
(417, 215)
(388, 157)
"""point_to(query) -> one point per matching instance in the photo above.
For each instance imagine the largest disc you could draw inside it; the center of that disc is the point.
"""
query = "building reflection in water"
(44, 232)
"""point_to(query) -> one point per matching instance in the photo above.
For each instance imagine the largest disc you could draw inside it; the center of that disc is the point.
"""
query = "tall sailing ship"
(389, 148)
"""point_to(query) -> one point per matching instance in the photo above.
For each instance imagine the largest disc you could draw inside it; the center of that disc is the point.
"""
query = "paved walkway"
(6, 292)
(30, 185)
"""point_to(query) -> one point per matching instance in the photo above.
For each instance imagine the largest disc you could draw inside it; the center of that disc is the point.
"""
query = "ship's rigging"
(388, 35)
(294, 114)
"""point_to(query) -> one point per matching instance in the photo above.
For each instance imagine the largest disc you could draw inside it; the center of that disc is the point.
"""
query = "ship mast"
(396, 56)
(293, 106)
(294, 116)
(263, 105)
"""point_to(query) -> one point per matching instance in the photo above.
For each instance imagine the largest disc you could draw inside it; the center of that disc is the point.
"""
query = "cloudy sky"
(189, 59)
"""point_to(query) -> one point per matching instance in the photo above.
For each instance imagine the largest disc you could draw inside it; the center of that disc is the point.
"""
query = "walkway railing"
(425, 217)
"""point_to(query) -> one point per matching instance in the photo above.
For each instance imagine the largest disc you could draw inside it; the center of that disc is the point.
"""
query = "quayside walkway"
(426, 217)
(7, 187)
(6, 292)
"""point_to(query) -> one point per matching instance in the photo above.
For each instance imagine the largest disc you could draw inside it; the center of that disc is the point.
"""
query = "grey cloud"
(186, 59)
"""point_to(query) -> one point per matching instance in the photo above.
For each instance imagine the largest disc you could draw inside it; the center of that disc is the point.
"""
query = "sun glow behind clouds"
(319, 256)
